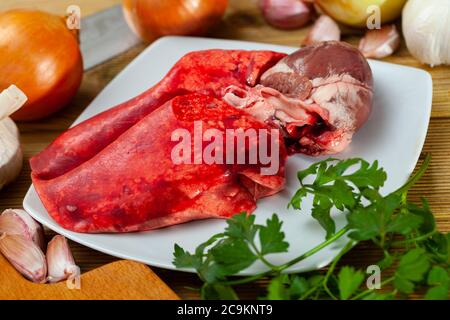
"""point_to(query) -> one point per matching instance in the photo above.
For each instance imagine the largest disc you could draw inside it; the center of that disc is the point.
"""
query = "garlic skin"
(60, 262)
(380, 43)
(286, 14)
(25, 256)
(324, 29)
(426, 28)
(11, 157)
(19, 222)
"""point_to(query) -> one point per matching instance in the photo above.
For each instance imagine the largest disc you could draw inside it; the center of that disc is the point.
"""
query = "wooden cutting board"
(115, 281)
(242, 22)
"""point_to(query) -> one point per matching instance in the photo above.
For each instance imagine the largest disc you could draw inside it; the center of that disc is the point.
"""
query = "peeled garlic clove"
(11, 100)
(380, 43)
(25, 256)
(324, 29)
(286, 14)
(19, 222)
(60, 262)
(11, 158)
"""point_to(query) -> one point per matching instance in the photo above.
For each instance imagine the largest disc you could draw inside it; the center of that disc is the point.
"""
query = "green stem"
(333, 266)
(364, 293)
(277, 269)
(412, 240)
(247, 279)
(416, 177)
(309, 292)
(314, 250)
(261, 257)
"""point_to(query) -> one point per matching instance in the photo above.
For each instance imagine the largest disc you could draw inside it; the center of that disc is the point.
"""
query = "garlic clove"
(380, 43)
(324, 29)
(25, 256)
(60, 262)
(11, 157)
(11, 100)
(286, 14)
(19, 222)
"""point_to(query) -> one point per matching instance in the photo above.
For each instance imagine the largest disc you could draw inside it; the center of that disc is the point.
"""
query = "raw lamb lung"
(133, 184)
(114, 172)
(207, 72)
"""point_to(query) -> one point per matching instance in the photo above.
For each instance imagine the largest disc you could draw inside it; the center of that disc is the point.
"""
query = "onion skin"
(40, 55)
(151, 19)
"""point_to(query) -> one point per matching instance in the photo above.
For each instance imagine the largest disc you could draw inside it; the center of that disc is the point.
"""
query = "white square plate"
(394, 135)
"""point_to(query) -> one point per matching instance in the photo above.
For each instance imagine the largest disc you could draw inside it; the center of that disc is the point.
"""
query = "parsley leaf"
(439, 279)
(183, 259)
(276, 290)
(217, 291)
(233, 255)
(241, 226)
(350, 186)
(337, 184)
(271, 237)
(412, 269)
(349, 281)
(372, 221)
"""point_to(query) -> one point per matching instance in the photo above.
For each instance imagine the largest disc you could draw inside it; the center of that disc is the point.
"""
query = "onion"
(151, 19)
(355, 13)
(40, 55)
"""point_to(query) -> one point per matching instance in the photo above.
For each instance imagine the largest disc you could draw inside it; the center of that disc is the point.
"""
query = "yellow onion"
(40, 55)
(355, 12)
(151, 19)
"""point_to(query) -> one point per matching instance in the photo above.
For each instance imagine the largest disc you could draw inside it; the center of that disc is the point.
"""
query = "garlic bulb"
(11, 156)
(426, 28)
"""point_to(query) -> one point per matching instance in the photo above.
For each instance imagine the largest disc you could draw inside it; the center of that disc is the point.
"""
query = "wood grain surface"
(120, 280)
(243, 22)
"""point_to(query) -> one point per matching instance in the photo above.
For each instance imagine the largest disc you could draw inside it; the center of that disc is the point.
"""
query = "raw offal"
(133, 184)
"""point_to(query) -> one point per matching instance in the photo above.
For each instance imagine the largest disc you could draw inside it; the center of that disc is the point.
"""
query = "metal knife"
(105, 35)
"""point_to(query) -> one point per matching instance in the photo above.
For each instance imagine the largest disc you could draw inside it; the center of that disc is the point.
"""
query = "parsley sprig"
(404, 232)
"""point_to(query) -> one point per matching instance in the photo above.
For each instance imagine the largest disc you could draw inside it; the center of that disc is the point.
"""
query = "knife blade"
(105, 35)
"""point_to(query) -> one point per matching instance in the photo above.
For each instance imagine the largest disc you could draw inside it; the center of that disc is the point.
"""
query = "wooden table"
(243, 22)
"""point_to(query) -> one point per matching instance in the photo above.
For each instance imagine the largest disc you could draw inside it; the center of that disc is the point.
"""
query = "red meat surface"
(133, 184)
(208, 72)
(319, 96)
(114, 172)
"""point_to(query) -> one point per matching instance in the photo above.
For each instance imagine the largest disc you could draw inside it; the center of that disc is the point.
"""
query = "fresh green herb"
(404, 232)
